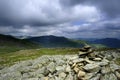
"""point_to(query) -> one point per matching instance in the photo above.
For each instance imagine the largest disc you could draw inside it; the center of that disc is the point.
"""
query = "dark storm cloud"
(41, 13)
(70, 18)
(111, 8)
(44, 13)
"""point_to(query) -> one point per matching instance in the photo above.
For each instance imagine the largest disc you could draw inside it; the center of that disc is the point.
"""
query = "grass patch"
(12, 58)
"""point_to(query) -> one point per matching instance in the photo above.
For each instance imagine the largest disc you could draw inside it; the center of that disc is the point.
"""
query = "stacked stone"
(86, 51)
(90, 66)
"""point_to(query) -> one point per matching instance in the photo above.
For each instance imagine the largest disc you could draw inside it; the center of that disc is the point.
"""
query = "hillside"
(11, 44)
(54, 41)
(110, 42)
(104, 42)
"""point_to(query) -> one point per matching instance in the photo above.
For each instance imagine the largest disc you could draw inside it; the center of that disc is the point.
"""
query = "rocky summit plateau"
(87, 64)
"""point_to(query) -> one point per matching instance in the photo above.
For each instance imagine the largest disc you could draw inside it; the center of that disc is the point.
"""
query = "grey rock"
(37, 66)
(116, 55)
(40, 71)
(11, 76)
(44, 78)
(104, 62)
(32, 79)
(73, 57)
(57, 78)
(51, 67)
(69, 77)
(109, 57)
(97, 59)
(42, 60)
(60, 68)
(67, 69)
(62, 75)
(112, 77)
(89, 75)
(78, 60)
(97, 77)
(117, 74)
(114, 67)
(39, 75)
(51, 79)
(59, 62)
(105, 70)
(81, 74)
(92, 67)
(105, 77)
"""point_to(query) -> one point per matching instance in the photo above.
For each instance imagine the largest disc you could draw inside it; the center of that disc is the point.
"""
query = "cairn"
(86, 51)
(88, 64)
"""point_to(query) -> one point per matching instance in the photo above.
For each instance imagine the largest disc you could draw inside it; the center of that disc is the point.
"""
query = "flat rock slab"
(92, 67)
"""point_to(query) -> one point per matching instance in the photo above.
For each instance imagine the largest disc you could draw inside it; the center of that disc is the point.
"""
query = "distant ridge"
(55, 41)
(110, 42)
(9, 44)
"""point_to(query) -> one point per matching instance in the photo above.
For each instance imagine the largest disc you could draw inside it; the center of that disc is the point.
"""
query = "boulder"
(112, 77)
(105, 70)
(114, 67)
(97, 77)
(68, 69)
(51, 67)
(81, 74)
(117, 74)
(92, 67)
(97, 59)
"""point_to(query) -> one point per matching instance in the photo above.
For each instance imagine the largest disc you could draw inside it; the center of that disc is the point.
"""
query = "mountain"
(85, 39)
(23, 37)
(9, 43)
(110, 42)
(54, 41)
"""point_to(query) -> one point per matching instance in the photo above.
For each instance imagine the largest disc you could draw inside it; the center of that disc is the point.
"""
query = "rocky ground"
(66, 67)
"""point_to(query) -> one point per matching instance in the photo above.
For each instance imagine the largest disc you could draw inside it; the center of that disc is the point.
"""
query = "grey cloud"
(86, 30)
(57, 17)
(42, 13)
(109, 8)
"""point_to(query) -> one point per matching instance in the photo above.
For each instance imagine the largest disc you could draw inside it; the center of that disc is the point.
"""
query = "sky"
(69, 18)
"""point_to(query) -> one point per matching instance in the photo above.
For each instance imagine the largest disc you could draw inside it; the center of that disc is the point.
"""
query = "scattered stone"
(88, 65)
(92, 67)
(114, 67)
(112, 77)
(69, 77)
(74, 64)
(51, 67)
(60, 68)
(109, 57)
(81, 74)
(76, 69)
(78, 60)
(62, 75)
(46, 78)
(105, 77)
(117, 74)
(105, 70)
(89, 75)
(97, 59)
(68, 69)
(97, 77)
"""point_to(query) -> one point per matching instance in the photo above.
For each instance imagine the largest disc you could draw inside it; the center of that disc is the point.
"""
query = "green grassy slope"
(10, 44)
(12, 58)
